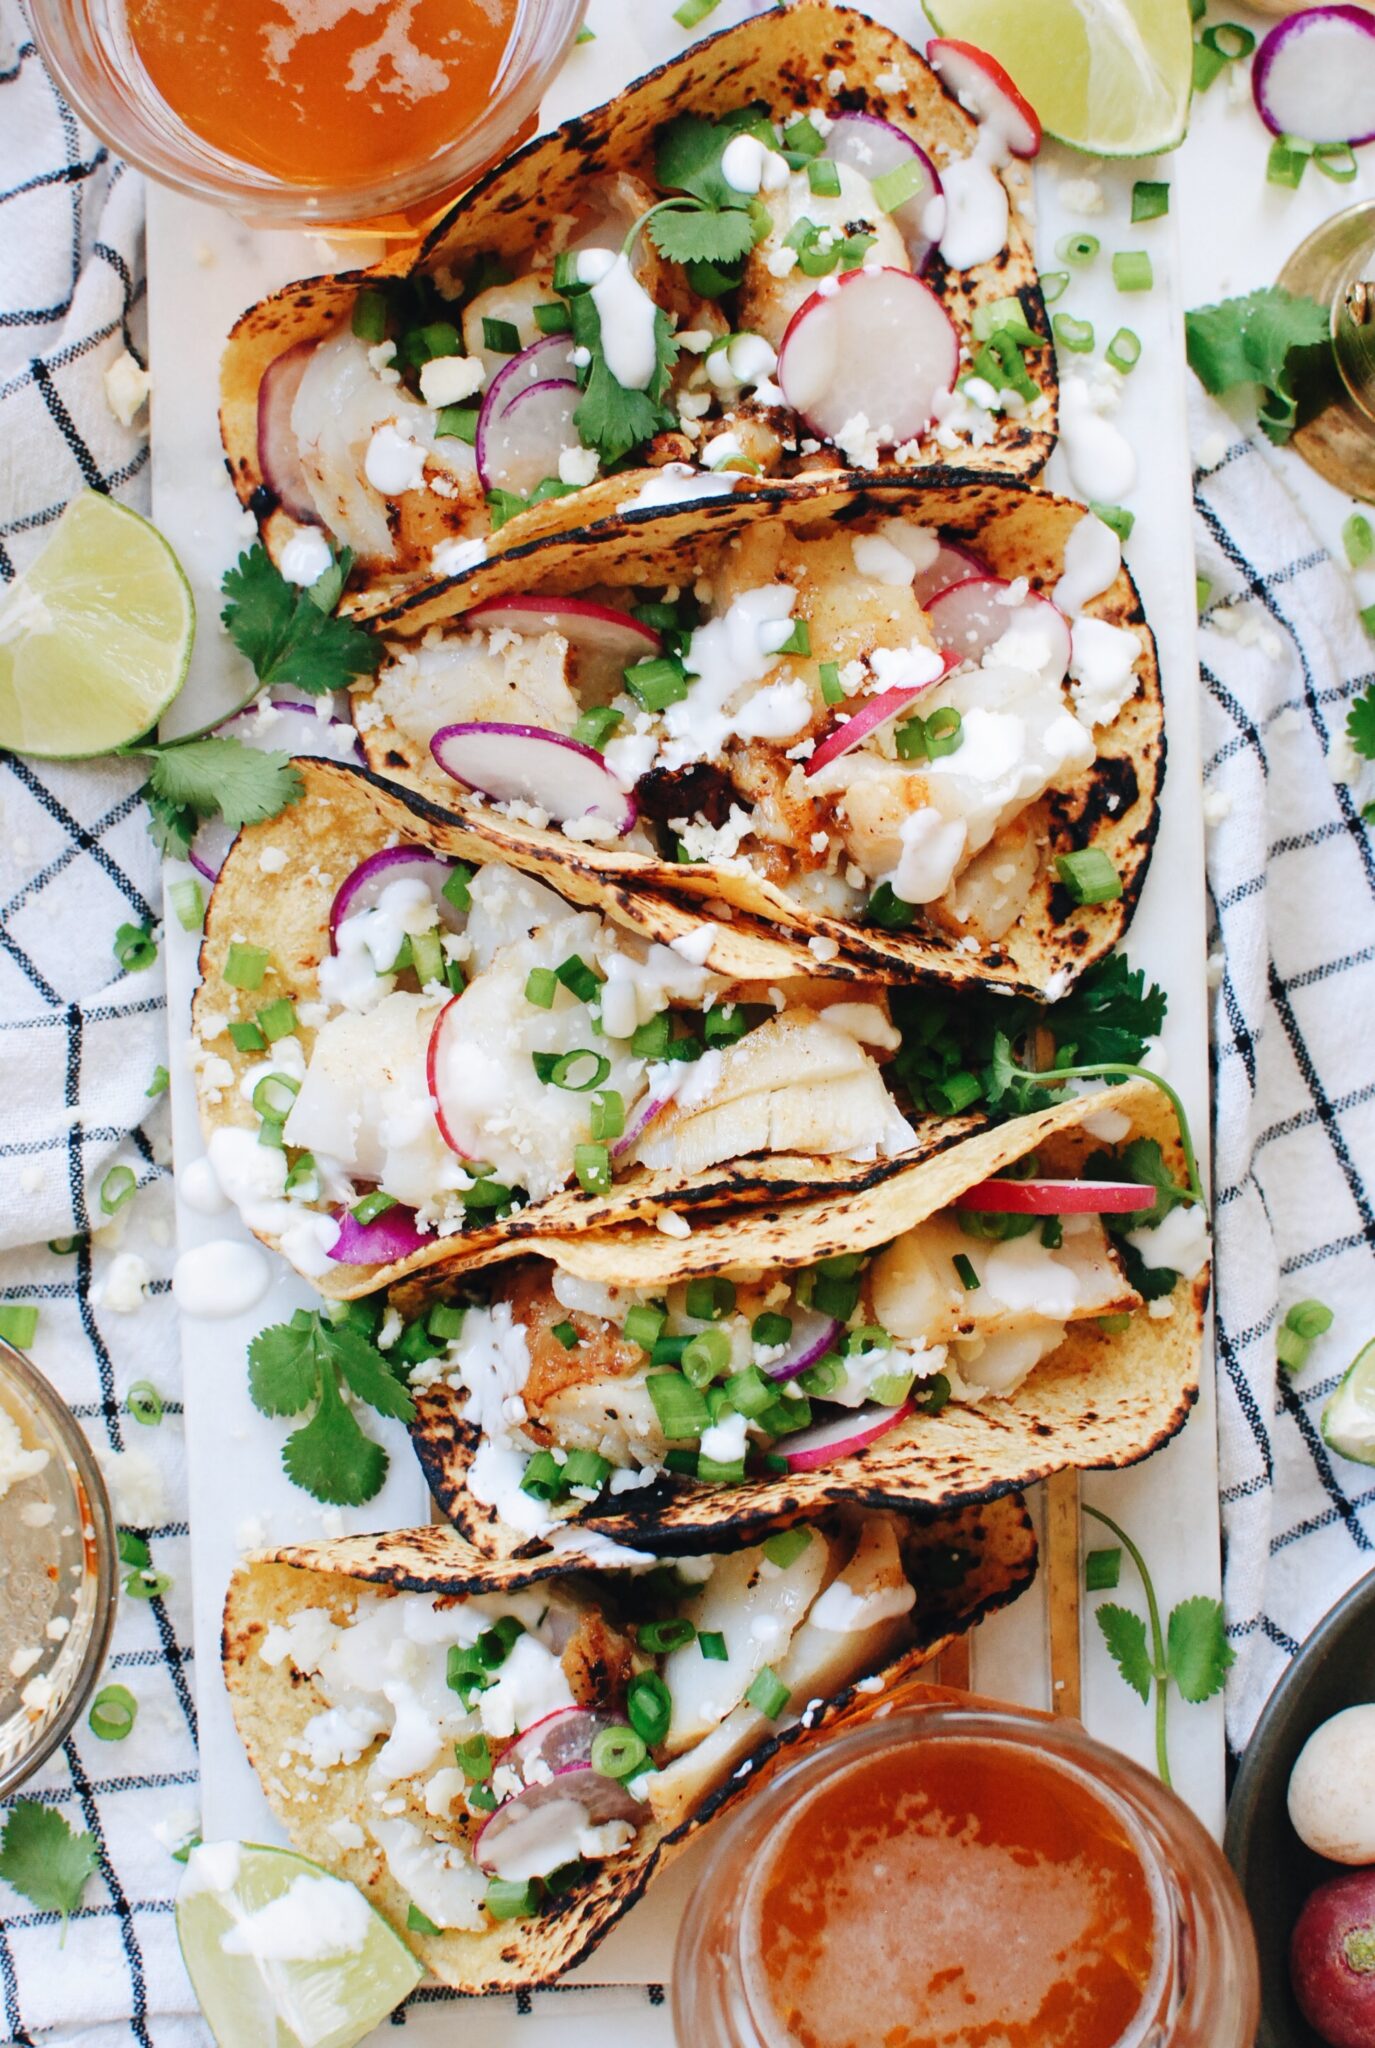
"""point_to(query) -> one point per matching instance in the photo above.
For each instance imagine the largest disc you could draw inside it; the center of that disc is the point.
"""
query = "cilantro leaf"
(702, 235)
(171, 826)
(330, 1456)
(1360, 724)
(326, 591)
(1256, 340)
(286, 635)
(1198, 1655)
(1109, 1014)
(367, 1373)
(688, 153)
(1141, 1160)
(609, 418)
(283, 1366)
(208, 776)
(45, 1859)
(1152, 1283)
(1125, 1635)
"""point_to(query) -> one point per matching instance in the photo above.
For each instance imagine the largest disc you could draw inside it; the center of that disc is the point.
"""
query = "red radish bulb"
(1332, 1960)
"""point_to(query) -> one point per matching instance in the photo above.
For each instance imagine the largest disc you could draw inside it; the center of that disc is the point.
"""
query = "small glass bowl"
(58, 1586)
(86, 45)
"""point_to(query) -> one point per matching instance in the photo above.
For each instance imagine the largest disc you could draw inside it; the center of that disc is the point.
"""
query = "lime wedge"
(282, 1955)
(95, 636)
(1110, 76)
(1348, 1420)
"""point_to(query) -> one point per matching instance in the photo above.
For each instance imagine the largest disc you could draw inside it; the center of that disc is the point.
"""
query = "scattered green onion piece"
(768, 1693)
(1089, 876)
(445, 1321)
(245, 1035)
(693, 11)
(934, 1394)
(1074, 335)
(567, 1335)
(1358, 538)
(944, 732)
(372, 1206)
(823, 177)
(1203, 590)
(135, 948)
(649, 1041)
(541, 986)
(771, 1329)
(964, 1268)
(619, 1752)
(1309, 1319)
(542, 1478)
(245, 966)
(890, 1389)
(146, 1585)
(594, 728)
(587, 1469)
(802, 138)
(829, 676)
(657, 682)
(183, 1854)
(473, 1756)
(649, 1707)
(824, 1377)
(644, 1325)
(712, 1644)
(18, 1323)
(553, 318)
(189, 904)
(1150, 199)
(1124, 350)
(482, 1799)
(1077, 249)
(268, 1094)
(785, 1546)
(117, 1188)
(709, 1300)
(509, 1899)
(1367, 618)
(1116, 516)
(954, 1093)
(749, 1393)
(1208, 62)
(724, 1025)
(1054, 285)
(1102, 1570)
(427, 958)
(892, 189)
(578, 978)
(418, 1922)
(1337, 161)
(1052, 1233)
(1132, 270)
(501, 337)
(455, 890)
(889, 911)
(835, 1295)
(133, 1550)
(370, 317)
(144, 1404)
(114, 1711)
(705, 1357)
(592, 1167)
(569, 1064)
(1229, 39)
(1287, 162)
(584, 35)
(486, 1194)
(303, 1178)
(681, 1408)
(1113, 1326)
(421, 345)
(63, 1247)
(457, 423)
(659, 1637)
(607, 1116)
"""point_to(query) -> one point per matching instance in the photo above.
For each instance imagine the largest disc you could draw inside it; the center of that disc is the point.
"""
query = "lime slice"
(95, 637)
(1348, 1420)
(1111, 76)
(282, 1955)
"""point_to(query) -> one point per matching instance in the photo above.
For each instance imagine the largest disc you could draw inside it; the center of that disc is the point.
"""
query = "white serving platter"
(204, 270)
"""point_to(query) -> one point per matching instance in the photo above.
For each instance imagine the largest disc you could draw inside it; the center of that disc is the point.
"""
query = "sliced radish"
(1059, 1197)
(434, 1055)
(984, 89)
(1314, 76)
(556, 1740)
(595, 629)
(297, 729)
(529, 764)
(644, 1116)
(872, 146)
(841, 1438)
(527, 1835)
(360, 890)
(392, 1235)
(951, 565)
(877, 347)
(548, 360)
(521, 447)
(875, 711)
(279, 456)
(970, 617)
(813, 1335)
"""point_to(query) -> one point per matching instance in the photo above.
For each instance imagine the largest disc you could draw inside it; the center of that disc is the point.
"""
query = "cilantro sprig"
(1190, 1652)
(309, 1361)
(294, 637)
(209, 778)
(609, 417)
(713, 223)
(45, 1859)
(1257, 340)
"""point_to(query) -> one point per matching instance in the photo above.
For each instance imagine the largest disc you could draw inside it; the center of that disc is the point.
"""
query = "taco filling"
(870, 721)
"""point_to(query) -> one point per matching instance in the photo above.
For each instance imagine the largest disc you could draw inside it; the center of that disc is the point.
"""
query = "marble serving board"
(204, 270)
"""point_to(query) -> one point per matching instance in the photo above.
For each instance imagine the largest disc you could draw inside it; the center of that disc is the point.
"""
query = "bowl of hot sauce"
(310, 113)
(956, 1875)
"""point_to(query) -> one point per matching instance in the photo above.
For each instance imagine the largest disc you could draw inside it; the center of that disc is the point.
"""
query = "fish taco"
(501, 1757)
(1028, 1300)
(791, 250)
(922, 724)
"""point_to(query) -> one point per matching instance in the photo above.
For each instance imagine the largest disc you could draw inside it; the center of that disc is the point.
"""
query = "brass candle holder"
(1336, 430)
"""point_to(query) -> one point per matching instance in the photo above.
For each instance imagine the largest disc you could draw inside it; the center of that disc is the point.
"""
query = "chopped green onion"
(724, 1026)
(835, 1295)
(1116, 516)
(619, 1752)
(1004, 316)
(868, 1338)
(117, 1188)
(186, 899)
(133, 1550)
(370, 317)
(303, 1178)
(785, 1546)
(246, 1036)
(578, 978)
(824, 1377)
(892, 189)
(512, 1899)
(567, 1335)
(564, 1067)
(1102, 1570)
(268, 1096)
(1309, 1319)
(657, 682)
(473, 1756)
(889, 911)
(418, 1922)
(63, 1247)
(114, 1711)
(964, 1269)
(1113, 1326)
(372, 1206)
(802, 138)
(771, 1329)
(1132, 270)
(501, 337)
(1203, 590)
(420, 345)
(944, 732)
(1287, 162)
(482, 1799)
(823, 177)
(749, 1393)
(135, 948)
(427, 958)
(183, 1854)
(799, 640)
(1336, 160)
(586, 1468)
(592, 1167)
(1367, 618)
(649, 1707)
(144, 1403)
(542, 1478)
(954, 1093)
(712, 1644)
(245, 966)
(1358, 538)
(594, 728)
(768, 1693)
(890, 1389)
(934, 1394)
(1150, 199)
(692, 11)
(658, 1637)
(1078, 248)
(1229, 39)
(829, 675)
(706, 1357)
(455, 890)
(1054, 285)
(1089, 876)
(709, 1300)
(681, 1408)
(1052, 1233)
(18, 1323)
(457, 423)
(649, 1041)
(1074, 335)
(585, 35)
(553, 318)
(607, 1116)
(541, 986)
(1124, 350)
(1208, 62)
(147, 1585)
(486, 1194)
(644, 1325)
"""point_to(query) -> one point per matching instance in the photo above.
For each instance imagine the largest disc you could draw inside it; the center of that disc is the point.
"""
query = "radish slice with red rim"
(529, 764)
(361, 890)
(548, 360)
(878, 346)
(1314, 76)
(297, 729)
(951, 565)
(520, 447)
(596, 629)
(971, 617)
(279, 455)
(556, 1740)
(813, 1335)
(527, 1835)
(1059, 1197)
(440, 1031)
(392, 1235)
(873, 712)
(849, 1433)
(873, 146)
(645, 1113)
(984, 90)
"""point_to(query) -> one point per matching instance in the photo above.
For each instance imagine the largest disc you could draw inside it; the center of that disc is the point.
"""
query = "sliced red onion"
(434, 1055)
(880, 709)
(521, 445)
(970, 617)
(279, 456)
(514, 1833)
(849, 1433)
(872, 146)
(645, 1113)
(392, 1235)
(361, 890)
(1059, 1197)
(813, 1335)
(951, 565)
(984, 89)
(1314, 76)
(298, 730)
(597, 629)
(534, 766)
(556, 1740)
(878, 346)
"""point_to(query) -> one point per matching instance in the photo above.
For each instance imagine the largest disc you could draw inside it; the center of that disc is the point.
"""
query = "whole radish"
(1332, 1960)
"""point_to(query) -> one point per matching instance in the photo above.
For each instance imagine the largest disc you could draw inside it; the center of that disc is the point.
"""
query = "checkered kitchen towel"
(1292, 872)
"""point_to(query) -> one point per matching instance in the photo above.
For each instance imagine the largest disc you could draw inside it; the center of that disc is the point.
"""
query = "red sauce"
(955, 1894)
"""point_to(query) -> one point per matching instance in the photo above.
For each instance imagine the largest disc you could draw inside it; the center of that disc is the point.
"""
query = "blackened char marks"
(699, 790)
